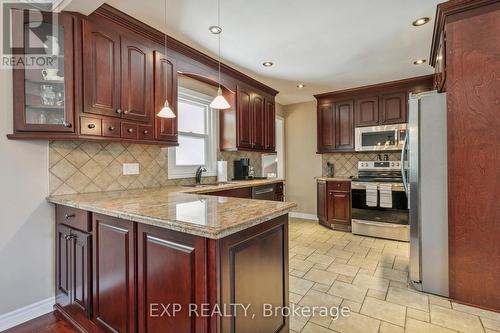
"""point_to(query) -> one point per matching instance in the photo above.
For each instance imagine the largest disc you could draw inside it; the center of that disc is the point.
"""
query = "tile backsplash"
(346, 164)
(82, 167)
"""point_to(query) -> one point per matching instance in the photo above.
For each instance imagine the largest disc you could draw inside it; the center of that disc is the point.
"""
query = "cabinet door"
(165, 81)
(326, 129)
(44, 98)
(270, 127)
(366, 111)
(114, 273)
(321, 201)
(339, 207)
(171, 269)
(394, 108)
(101, 70)
(80, 269)
(258, 124)
(244, 118)
(63, 265)
(136, 80)
(344, 125)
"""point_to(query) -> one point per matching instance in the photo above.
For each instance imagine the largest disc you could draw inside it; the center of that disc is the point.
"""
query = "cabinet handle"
(68, 237)
(91, 126)
(145, 132)
(125, 112)
(67, 125)
(130, 130)
(119, 111)
(112, 128)
(68, 216)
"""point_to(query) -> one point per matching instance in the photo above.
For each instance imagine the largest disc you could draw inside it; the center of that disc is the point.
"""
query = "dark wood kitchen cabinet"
(366, 111)
(258, 122)
(326, 127)
(270, 126)
(334, 204)
(344, 125)
(165, 86)
(393, 108)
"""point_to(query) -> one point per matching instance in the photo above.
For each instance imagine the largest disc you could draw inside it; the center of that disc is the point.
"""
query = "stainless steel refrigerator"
(424, 158)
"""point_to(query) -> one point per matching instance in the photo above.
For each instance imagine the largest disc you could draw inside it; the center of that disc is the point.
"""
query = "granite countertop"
(230, 185)
(176, 209)
(330, 179)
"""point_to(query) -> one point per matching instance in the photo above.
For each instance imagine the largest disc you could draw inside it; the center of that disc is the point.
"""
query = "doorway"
(273, 165)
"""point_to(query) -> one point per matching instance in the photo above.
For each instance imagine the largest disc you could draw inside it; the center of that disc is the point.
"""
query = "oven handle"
(402, 163)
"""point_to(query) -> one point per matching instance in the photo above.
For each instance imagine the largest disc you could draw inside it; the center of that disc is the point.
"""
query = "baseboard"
(306, 216)
(26, 313)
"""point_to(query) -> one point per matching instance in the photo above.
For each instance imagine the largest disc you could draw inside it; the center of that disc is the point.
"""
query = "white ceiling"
(325, 44)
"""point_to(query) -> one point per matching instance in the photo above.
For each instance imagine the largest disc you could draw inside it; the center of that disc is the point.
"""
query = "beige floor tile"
(297, 323)
(392, 313)
(408, 298)
(487, 330)
(321, 276)
(490, 324)
(321, 287)
(357, 249)
(300, 256)
(297, 273)
(303, 250)
(371, 282)
(366, 271)
(320, 259)
(299, 286)
(363, 263)
(441, 301)
(418, 315)
(316, 298)
(294, 298)
(456, 320)
(321, 320)
(400, 252)
(315, 328)
(416, 326)
(344, 278)
(351, 305)
(322, 267)
(401, 264)
(355, 323)
(476, 311)
(343, 269)
(301, 265)
(376, 294)
(340, 254)
(348, 291)
(341, 260)
(397, 284)
(391, 274)
(390, 328)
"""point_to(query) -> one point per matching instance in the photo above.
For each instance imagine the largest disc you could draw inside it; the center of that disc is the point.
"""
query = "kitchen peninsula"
(126, 259)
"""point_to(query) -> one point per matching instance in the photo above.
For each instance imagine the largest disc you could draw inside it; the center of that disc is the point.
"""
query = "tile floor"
(370, 276)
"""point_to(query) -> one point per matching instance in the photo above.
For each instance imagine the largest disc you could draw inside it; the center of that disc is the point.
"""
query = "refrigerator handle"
(403, 172)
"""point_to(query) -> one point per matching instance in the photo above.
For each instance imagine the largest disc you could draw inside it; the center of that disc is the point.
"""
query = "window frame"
(211, 136)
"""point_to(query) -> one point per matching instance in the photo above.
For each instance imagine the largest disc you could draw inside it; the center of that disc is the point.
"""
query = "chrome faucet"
(199, 171)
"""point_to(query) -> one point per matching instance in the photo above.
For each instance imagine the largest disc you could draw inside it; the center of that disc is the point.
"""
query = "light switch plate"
(130, 169)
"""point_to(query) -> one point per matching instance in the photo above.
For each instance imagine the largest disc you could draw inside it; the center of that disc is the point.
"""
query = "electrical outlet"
(130, 169)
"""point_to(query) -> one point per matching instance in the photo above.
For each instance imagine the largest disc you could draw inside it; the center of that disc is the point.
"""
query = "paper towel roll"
(222, 171)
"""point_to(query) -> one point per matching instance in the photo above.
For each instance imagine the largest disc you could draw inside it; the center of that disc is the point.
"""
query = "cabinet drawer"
(90, 126)
(130, 131)
(146, 133)
(339, 186)
(75, 218)
(111, 128)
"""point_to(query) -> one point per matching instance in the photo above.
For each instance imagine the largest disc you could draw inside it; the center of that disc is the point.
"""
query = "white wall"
(26, 219)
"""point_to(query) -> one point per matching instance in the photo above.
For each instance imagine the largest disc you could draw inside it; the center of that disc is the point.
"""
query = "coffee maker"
(241, 168)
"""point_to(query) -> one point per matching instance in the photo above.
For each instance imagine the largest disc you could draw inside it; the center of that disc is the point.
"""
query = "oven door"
(377, 138)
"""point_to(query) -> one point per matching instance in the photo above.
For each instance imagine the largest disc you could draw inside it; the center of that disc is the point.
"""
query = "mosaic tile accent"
(84, 167)
(346, 164)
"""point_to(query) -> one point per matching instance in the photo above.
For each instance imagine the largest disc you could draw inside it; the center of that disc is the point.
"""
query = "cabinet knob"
(112, 128)
(119, 111)
(68, 216)
(126, 112)
(66, 124)
(91, 126)
(130, 130)
(145, 132)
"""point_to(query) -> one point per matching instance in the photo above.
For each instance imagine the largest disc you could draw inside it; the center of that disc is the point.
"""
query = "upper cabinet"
(44, 97)
(110, 78)
(340, 112)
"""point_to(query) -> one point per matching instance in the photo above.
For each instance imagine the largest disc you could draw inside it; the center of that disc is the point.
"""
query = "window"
(197, 130)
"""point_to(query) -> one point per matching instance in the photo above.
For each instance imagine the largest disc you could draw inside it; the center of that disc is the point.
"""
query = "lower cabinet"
(334, 204)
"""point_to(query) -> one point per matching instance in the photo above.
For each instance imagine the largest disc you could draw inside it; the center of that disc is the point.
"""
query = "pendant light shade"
(166, 111)
(219, 102)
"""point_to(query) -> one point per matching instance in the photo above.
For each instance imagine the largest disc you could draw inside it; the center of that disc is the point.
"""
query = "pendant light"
(166, 111)
(219, 102)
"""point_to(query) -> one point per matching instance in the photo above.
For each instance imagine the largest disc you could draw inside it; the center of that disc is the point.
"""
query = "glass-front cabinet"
(44, 85)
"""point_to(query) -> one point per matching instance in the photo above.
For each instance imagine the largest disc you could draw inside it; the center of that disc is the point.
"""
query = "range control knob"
(392, 164)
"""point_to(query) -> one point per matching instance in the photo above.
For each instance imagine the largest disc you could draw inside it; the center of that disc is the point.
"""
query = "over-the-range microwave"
(376, 138)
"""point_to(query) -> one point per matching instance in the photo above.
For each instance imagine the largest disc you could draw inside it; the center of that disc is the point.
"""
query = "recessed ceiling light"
(267, 63)
(420, 21)
(419, 62)
(301, 85)
(215, 29)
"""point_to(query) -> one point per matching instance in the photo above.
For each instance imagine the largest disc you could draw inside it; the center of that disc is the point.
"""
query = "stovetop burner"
(377, 180)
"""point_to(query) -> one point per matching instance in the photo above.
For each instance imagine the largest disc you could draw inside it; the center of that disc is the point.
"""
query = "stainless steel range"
(379, 202)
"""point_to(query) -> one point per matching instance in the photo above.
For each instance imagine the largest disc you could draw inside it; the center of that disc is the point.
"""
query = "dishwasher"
(263, 192)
